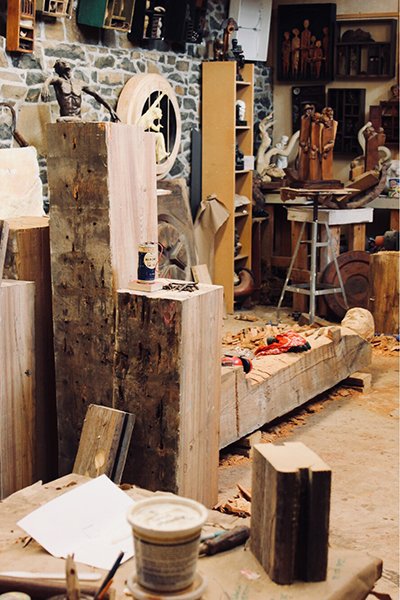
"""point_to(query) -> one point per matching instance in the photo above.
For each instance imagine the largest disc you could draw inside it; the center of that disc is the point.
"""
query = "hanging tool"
(226, 541)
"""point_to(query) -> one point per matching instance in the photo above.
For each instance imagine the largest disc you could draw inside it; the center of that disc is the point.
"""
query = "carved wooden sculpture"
(304, 141)
(328, 135)
(315, 147)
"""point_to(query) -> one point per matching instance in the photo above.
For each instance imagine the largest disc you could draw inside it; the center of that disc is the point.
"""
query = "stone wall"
(105, 60)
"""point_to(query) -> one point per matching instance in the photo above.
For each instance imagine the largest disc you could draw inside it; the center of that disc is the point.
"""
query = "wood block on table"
(290, 512)
(102, 183)
(28, 259)
(168, 373)
(17, 385)
(104, 443)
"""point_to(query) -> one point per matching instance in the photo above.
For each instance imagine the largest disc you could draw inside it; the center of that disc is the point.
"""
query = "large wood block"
(17, 384)
(103, 204)
(28, 259)
(288, 381)
(168, 375)
(384, 291)
(290, 512)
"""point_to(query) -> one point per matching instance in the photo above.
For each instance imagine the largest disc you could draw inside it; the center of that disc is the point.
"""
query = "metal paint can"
(147, 261)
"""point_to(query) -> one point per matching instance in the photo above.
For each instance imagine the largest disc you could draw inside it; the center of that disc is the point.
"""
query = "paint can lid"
(164, 516)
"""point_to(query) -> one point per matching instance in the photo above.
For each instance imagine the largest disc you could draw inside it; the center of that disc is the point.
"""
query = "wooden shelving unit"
(349, 110)
(219, 176)
(106, 14)
(373, 58)
(21, 25)
(55, 8)
(386, 115)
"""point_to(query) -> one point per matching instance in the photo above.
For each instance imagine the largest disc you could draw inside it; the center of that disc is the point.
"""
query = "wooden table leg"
(300, 301)
(357, 236)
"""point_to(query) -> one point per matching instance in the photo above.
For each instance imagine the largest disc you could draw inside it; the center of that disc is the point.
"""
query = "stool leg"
(296, 250)
(313, 269)
(334, 258)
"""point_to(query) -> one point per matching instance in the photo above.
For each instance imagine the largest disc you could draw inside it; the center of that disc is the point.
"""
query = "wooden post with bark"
(168, 375)
(384, 291)
(103, 204)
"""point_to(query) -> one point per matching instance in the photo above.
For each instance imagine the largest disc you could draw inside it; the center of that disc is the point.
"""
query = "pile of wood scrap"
(386, 345)
(239, 505)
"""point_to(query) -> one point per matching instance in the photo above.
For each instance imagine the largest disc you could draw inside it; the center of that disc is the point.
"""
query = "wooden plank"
(104, 443)
(103, 204)
(394, 219)
(201, 274)
(17, 384)
(357, 236)
(290, 380)
(28, 259)
(384, 291)
(290, 512)
(4, 230)
(164, 377)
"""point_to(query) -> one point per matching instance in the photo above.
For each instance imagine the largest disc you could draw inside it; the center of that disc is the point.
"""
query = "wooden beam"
(290, 512)
(17, 384)
(168, 374)
(104, 443)
(103, 204)
(28, 259)
(289, 380)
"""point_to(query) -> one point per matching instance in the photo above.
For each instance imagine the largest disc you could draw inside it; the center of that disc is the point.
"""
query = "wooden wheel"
(177, 257)
(354, 269)
(138, 95)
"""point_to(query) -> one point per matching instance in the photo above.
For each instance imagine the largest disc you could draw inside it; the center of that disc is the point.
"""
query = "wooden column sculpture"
(103, 204)
(290, 512)
(168, 375)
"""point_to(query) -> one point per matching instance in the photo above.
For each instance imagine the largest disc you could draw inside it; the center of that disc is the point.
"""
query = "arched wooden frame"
(134, 101)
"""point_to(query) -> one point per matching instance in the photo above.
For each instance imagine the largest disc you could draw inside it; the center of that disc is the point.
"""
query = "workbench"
(234, 574)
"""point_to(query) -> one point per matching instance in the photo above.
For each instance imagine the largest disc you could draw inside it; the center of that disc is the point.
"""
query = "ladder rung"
(317, 244)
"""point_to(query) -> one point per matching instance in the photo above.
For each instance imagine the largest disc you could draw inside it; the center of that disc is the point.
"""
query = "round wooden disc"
(354, 269)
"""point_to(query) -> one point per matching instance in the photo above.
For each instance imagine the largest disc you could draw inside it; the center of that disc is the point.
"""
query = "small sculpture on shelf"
(239, 159)
(240, 107)
(238, 55)
(69, 93)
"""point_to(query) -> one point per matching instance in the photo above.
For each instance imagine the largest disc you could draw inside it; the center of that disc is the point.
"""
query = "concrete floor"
(358, 436)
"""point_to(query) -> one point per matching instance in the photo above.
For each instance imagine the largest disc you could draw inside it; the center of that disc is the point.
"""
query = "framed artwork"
(305, 42)
(254, 21)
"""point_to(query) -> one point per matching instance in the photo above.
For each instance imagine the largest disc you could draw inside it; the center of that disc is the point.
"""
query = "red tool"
(237, 361)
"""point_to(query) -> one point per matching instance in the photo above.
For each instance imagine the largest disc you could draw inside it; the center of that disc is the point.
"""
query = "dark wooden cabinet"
(386, 115)
(365, 49)
(306, 94)
(349, 110)
(106, 14)
(20, 25)
(163, 23)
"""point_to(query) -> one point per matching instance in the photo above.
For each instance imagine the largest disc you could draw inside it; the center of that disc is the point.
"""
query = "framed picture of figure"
(305, 42)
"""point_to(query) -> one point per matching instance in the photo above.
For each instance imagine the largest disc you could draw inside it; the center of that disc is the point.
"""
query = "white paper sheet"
(90, 522)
